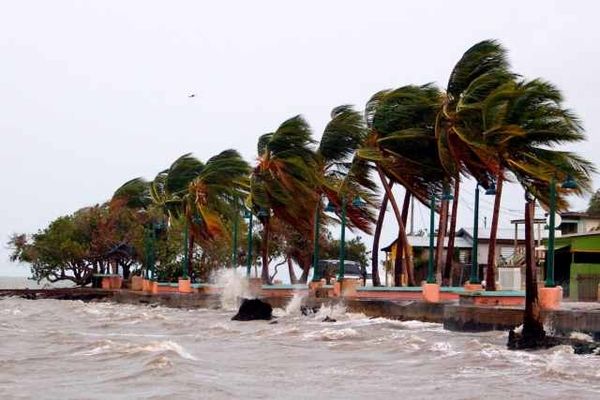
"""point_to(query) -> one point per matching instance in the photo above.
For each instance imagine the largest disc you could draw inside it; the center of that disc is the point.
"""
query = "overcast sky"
(93, 93)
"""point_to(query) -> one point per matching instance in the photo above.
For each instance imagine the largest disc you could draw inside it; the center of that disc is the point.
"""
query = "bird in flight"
(192, 95)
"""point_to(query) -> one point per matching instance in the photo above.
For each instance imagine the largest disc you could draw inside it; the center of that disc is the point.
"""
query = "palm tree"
(170, 193)
(523, 121)
(135, 193)
(401, 144)
(342, 175)
(283, 181)
(216, 195)
(459, 125)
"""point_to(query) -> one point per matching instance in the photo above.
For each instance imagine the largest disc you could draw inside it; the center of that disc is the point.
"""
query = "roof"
(579, 242)
(501, 233)
(464, 238)
(423, 241)
(579, 215)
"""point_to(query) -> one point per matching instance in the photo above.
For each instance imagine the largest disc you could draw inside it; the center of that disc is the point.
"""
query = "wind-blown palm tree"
(342, 175)
(523, 121)
(217, 193)
(283, 181)
(401, 144)
(459, 126)
(135, 193)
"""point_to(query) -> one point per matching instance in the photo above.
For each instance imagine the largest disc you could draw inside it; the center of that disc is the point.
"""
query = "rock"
(327, 319)
(273, 322)
(252, 309)
(516, 341)
(306, 310)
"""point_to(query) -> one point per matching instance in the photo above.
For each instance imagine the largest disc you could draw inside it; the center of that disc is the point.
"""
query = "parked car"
(352, 269)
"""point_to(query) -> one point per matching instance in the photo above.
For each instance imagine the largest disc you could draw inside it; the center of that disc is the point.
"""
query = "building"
(577, 265)
(509, 251)
(573, 222)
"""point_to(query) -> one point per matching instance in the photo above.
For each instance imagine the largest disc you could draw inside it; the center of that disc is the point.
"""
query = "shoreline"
(452, 315)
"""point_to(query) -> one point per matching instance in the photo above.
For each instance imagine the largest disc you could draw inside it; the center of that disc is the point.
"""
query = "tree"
(459, 125)
(74, 247)
(524, 121)
(401, 144)
(594, 204)
(342, 176)
(283, 182)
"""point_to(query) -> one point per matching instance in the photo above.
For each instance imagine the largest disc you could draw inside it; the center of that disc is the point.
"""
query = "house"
(577, 265)
(574, 222)
(509, 251)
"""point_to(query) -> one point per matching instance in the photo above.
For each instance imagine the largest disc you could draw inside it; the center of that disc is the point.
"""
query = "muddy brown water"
(52, 349)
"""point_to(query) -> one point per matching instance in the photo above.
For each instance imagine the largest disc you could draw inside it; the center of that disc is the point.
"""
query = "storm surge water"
(234, 287)
(68, 349)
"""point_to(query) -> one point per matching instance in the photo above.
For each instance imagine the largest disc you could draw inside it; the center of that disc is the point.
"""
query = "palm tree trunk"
(403, 239)
(405, 209)
(293, 278)
(447, 276)
(490, 275)
(376, 236)
(439, 249)
(399, 265)
(265, 252)
(533, 327)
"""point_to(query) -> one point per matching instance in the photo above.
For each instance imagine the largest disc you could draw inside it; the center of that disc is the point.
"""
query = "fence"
(587, 285)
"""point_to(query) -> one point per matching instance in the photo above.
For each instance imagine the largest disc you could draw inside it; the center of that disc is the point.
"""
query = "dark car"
(331, 268)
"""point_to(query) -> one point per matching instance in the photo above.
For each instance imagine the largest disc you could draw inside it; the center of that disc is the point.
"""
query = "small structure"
(574, 222)
(509, 251)
(577, 265)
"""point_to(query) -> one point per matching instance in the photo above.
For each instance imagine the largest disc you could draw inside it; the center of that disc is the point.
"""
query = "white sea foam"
(293, 307)
(581, 336)
(235, 287)
(113, 347)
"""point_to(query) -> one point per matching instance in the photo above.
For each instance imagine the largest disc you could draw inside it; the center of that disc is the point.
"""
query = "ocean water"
(51, 349)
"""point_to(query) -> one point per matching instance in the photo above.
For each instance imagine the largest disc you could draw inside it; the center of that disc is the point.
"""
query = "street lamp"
(446, 195)
(569, 183)
(234, 247)
(316, 273)
(490, 191)
(155, 227)
(248, 214)
(185, 266)
(357, 202)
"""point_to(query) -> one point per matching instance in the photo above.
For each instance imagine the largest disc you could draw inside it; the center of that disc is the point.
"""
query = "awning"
(557, 247)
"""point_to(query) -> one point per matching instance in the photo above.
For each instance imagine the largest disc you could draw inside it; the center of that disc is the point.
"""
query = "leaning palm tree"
(342, 176)
(459, 125)
(135, 193)
(283, 182)
(216, 194)
(401, 144)
(170, 194)
(523, 121)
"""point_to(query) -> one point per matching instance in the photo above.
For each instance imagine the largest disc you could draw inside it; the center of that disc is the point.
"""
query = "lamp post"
(491, 191)
(149, 250)
(248, 214)
(430, 277)
(446, 195)
(357, 202)
(316, 272)
(342, 269)
(184, 266)
(155, 227)
(234, 242)
(569, 183)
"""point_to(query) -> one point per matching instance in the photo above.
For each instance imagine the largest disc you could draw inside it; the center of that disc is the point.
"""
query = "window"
(586, 258)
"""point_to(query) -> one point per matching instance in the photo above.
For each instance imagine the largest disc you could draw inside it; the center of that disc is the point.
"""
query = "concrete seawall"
(576, 317)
